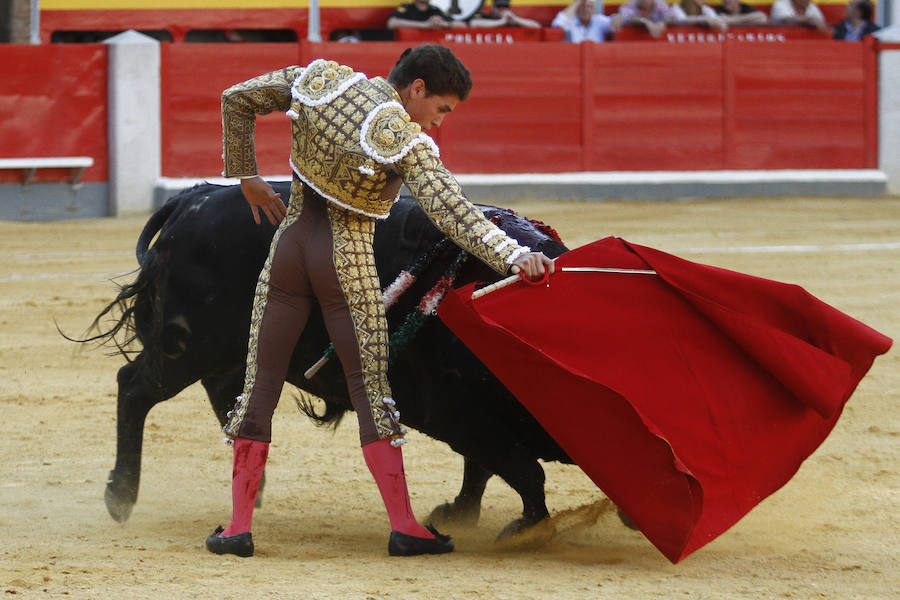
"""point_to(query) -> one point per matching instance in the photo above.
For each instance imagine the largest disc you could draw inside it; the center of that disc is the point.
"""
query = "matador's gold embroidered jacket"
(355, 144)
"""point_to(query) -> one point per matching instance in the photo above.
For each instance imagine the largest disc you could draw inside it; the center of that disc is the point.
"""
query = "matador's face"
(428, 110)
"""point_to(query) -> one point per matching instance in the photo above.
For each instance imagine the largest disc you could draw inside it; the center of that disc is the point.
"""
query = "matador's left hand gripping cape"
(355, 144)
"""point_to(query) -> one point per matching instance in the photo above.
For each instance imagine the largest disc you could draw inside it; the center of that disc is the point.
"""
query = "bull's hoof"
(522, 534)
(452, 514)
(514, 528)
(119, 508)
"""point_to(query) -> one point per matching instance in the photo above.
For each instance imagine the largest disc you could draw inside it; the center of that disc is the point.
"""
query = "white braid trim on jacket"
(421, 138)
(297, 95)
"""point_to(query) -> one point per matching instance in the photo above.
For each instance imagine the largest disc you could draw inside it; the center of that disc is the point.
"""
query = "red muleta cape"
(688, 396)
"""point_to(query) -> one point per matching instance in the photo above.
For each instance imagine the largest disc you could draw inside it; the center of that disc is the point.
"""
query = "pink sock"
(249, 462)
(386, 465)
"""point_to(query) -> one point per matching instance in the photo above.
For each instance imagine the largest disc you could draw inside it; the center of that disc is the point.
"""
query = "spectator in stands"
(652, 15)
(858, 22)
(501, 15)
(735, 12)
(580, 22)
(798, 12)
(345, 35)
(419, 14)
(696, 13)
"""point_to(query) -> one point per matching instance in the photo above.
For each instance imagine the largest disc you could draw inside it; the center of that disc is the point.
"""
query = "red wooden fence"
(53, 102)
(783, 110)
(546, 107)
(535, 107)
(192, 81)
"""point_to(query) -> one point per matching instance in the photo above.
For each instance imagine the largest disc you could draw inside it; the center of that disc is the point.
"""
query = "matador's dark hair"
(437, 66)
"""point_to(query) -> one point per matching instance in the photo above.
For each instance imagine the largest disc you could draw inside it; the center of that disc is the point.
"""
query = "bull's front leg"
(135, 399)
(466, 507)
(507, 458)
(526, 477)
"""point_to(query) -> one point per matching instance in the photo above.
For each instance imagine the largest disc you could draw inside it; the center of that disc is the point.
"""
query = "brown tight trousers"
(321, 254)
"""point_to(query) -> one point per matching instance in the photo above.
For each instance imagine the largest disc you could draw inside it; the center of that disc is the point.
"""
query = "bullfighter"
(355, 140)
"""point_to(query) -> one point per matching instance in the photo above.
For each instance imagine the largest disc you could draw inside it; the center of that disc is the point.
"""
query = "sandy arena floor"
(832, 532)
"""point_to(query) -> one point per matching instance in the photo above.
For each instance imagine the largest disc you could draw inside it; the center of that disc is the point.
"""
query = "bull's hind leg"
(139, 391)
(466, 507)
(526, 476)
(222, 390)
(135, 399)
(520, 470)
(492, 450)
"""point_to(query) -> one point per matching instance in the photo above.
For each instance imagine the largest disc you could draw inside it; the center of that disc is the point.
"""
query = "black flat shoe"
(240, 544)
(402, 544)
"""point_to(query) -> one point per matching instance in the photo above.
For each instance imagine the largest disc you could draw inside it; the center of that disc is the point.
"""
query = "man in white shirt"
(580, 23)
(798, 12)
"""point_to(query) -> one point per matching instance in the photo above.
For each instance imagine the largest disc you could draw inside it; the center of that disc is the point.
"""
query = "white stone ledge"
(52, 162)
(671, 177)
(619, 177)
(639, 185)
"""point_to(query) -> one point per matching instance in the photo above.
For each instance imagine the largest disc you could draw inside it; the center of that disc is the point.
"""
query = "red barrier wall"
(53, 102)
(535, 107)
(653, 107)
(524, 114)
(192, 81)
(546, 107)
(784, 110)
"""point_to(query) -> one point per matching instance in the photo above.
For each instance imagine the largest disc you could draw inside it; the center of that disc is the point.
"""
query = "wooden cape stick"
(514, 278)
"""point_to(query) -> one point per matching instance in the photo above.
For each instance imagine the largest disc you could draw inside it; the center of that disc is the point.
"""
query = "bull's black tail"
(154, 224)
(331, 417)
(115, 325)
(141, 300)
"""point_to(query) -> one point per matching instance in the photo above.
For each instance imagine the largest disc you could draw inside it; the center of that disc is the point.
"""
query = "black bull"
(189, 309)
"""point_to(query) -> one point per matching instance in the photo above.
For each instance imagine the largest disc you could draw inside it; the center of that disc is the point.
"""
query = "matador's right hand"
(533, 264)
(261, 196)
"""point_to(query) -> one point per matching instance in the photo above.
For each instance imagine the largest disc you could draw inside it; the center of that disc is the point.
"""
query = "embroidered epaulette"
(387, 134)
(322, 81)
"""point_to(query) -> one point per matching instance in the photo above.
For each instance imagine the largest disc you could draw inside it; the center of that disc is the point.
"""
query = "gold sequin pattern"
(327, 148)
(440, 196)
(354, 263)
(240, 105)
(259, 307)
